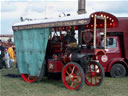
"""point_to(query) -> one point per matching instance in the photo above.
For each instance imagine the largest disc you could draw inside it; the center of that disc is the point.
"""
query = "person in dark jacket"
(1, 55)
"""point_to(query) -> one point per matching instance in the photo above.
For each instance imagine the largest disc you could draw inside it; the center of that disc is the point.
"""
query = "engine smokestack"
(81, 6)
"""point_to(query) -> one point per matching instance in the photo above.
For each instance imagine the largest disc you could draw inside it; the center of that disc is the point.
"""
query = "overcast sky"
(12, 10)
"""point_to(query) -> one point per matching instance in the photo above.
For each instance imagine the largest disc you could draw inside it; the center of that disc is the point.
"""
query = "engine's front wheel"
(94, 74)
(73, 76)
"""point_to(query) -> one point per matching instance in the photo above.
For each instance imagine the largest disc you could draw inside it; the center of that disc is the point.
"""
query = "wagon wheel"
(28, 78)
(31, 79)
(94, 75)
(73, 76)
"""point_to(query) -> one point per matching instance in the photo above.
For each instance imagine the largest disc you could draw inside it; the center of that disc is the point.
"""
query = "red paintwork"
(115, 22)
(57, 66)
(111, 53)
(114, 54)
(115, 60)
(100, 23)
(119, 54)
(99, 52)
(122, 27)
(27, 78)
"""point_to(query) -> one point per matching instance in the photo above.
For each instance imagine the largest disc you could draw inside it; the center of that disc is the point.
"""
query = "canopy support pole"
(105, 32)
(94, 36)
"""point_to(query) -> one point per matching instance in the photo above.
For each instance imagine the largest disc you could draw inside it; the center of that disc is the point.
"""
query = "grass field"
(11, 84)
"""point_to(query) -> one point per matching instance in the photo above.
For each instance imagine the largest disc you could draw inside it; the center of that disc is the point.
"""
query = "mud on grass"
(11, 84)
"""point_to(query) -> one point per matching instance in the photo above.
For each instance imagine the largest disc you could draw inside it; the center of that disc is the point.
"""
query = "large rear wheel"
(94, 74)
(73, 76)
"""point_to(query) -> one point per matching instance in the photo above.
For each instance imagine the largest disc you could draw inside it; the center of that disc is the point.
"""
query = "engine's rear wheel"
(94, 74)
(117, 71)
(73, 76)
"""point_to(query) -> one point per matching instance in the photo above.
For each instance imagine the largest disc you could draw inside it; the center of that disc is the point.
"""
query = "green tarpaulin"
(30, 49)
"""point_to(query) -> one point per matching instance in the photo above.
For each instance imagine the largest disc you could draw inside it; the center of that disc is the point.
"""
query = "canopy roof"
(84, 19)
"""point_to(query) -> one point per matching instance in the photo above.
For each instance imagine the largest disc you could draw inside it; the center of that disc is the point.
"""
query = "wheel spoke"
(70, 68)
(71, 84)
(95, 80)
(91, 80)
(77, 77)
(98, 78)
(73, 70)
(74, 83)
(68, 80)
(98, 73)
(88, 78)
(77, 80)
(67, 73)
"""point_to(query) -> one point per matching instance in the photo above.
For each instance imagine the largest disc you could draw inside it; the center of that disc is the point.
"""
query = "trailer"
(115, 61)
(49, 46)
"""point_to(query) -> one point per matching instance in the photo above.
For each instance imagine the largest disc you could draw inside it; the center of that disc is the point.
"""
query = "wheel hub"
(70, 76)
(93, 74)
(118, 72)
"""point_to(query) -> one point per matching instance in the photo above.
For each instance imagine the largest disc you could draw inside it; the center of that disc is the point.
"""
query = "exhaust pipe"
(81, 6)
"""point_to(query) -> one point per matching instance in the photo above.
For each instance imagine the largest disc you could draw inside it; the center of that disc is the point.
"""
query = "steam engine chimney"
(81, 6)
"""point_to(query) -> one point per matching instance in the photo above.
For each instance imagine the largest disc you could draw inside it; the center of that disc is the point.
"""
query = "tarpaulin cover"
(30, 49)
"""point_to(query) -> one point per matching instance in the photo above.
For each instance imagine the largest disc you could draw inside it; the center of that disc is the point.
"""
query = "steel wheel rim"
(28, 78)
(72, 77)
(94, 75)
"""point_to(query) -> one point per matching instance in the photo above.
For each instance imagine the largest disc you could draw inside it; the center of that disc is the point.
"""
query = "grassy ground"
(11, 84)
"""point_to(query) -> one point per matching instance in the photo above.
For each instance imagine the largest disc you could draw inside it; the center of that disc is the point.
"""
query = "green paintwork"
(30, 49)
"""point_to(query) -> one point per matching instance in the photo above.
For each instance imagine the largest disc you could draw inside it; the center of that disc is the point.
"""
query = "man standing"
(11, 53)
(7, 58)
(1, 55)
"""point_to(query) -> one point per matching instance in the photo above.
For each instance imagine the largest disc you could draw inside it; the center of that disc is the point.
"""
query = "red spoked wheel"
(73, 76)
(28, 78)
(94, 75)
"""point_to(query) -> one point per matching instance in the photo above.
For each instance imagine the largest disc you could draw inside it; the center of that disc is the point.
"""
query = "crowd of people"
(7, 53)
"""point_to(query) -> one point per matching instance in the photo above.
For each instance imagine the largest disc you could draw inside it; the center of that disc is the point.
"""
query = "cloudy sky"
(12, 10)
